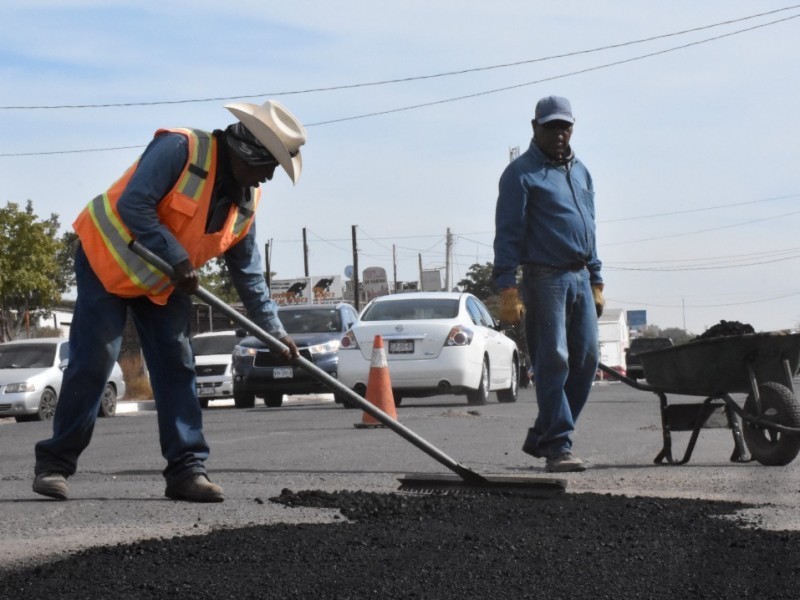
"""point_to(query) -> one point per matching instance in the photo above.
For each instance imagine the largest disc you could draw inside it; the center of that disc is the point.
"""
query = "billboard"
(374, 282)
(319, 289)
(637, 319)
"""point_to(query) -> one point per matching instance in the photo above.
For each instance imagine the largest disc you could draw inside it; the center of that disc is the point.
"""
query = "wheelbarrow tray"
(717, 366)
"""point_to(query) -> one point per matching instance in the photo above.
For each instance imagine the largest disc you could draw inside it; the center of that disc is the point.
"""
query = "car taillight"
(459, 336)
(348, 342)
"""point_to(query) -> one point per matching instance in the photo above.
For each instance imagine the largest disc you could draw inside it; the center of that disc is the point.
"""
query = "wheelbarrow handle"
(334, 384)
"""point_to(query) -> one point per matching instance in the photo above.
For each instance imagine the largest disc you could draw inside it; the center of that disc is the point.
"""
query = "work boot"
(565, 463)
(196, 488)
(53, 485)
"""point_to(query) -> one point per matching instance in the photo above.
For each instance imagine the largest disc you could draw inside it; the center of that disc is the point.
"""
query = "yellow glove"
(599, 301)
(511, 307)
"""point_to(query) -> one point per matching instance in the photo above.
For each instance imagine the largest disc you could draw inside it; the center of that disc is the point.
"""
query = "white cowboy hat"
(277, 129)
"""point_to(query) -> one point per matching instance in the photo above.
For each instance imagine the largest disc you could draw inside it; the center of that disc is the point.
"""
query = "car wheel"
(273, 400)
(481, 395)
(510, 394)
(108, 403)
(203, 402)
(243, 399)
(398, 399)
(47, 405)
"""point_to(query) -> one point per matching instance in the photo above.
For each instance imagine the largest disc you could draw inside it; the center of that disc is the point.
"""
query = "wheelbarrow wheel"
(769, 446)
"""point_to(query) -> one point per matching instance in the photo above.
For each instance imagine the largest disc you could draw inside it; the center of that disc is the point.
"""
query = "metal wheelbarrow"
(761, 365)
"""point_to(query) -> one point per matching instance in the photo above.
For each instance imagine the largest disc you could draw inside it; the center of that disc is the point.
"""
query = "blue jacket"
(544, 216)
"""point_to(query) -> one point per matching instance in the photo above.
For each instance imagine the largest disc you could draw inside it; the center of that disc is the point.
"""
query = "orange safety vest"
(105, 238)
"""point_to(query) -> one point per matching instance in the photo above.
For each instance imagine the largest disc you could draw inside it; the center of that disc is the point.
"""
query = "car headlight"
(16, 388)
(326, 348)
(244, 351)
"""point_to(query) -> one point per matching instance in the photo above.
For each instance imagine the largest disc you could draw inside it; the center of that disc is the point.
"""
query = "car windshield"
(27, 356)
(214, 344)
(412, 310)
(317, 320)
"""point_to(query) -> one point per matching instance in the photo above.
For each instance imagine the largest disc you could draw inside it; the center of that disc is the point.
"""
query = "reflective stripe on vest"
(194, 179)
(116, 239)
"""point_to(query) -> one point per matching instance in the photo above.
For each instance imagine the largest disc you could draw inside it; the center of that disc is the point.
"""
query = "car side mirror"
(63, 364)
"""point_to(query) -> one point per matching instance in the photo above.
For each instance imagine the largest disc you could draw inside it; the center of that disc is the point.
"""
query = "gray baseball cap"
(553, 108)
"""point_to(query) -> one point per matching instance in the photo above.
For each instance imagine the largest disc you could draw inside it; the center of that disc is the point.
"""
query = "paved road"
(312, 444)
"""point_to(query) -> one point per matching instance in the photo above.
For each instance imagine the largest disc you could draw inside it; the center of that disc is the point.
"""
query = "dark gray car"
(316, 329)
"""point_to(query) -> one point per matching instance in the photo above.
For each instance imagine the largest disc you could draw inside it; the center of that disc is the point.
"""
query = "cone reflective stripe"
(379, 386)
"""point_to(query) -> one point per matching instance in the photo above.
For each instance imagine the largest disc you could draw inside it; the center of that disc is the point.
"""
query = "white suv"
(212, 358)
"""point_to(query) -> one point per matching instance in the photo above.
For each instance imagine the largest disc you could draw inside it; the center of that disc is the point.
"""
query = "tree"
(31, 281)
(215, 278)
(479, 281)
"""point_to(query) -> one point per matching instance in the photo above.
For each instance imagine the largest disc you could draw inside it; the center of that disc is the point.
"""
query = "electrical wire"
(452, 99)
(412, 78)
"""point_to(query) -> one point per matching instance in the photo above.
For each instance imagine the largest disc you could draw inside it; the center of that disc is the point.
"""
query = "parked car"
(316, 329)
(633, 362)
(30, 379)
(213, 358)
(435, 343)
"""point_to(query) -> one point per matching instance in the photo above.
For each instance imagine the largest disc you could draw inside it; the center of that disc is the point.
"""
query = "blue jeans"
(562, 335)
(94, 344)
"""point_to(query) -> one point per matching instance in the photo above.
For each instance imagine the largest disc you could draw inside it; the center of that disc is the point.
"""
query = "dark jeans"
(561, 330)
(95, 338)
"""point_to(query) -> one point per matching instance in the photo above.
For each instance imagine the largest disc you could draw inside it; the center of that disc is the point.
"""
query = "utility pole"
(394, 268)
(356, 290)
(267, 265)
(448, 245)
(305, 252)
(421, 283)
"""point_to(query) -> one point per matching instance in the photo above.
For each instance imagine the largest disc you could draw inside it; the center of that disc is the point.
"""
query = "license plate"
(401, 347)
(206, 391)
(282, 373)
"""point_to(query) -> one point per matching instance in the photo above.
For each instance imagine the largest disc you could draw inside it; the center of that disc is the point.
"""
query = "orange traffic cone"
(379, 387)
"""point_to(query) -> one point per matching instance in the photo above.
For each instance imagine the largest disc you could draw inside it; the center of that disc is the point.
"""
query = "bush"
(136, 379)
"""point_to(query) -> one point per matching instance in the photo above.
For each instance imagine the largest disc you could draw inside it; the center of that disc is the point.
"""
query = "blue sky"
(693, 151)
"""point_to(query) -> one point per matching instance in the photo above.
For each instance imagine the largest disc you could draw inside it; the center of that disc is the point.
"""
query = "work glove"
(511, 307)
(599, 301)
(185, 277)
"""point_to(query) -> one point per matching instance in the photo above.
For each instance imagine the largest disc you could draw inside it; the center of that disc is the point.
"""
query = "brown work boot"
(565, 463)
(53, 485)
(196, 488)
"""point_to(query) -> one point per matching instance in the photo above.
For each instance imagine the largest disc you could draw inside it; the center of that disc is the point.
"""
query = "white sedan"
(435, 343)
(30, 380)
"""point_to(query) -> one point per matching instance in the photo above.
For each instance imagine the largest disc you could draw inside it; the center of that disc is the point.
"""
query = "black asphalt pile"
(445, 547)
(725, 328)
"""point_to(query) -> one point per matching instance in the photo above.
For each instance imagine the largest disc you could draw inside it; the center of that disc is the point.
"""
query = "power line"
(407, 79)
(553, 78)
(694, 210)
(456, 98)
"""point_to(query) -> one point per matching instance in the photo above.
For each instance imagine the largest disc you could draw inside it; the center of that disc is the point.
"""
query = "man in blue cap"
(545, 222)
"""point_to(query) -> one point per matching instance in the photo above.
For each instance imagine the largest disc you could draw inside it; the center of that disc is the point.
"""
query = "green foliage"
(215, 278)
(479, 281)
(31, 281)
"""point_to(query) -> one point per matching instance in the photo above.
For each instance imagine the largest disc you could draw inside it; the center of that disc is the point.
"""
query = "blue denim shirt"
(544, 216)
(156, 174)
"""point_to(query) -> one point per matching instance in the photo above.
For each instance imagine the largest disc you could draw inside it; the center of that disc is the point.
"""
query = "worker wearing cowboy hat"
(190, 197)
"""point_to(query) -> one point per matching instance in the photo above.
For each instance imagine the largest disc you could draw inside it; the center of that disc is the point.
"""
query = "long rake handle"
(332, 383)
